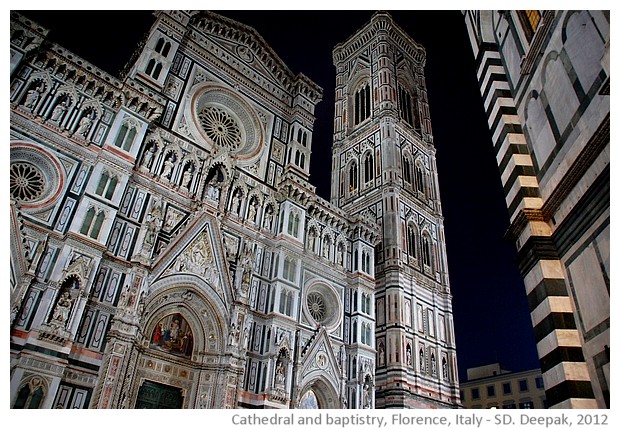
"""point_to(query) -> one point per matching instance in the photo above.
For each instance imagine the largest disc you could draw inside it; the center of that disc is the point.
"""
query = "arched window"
(405, 106)
(157, 71)
(150, 66)
(354, 329)
(406, 169)
(30, 395)
(89, 227)
(94, 232)
(368, 167)
(160, 45)
(153, 68)
(166, 49)
(107, 185)
(283, 299)
(419, 176)
(293, 223)
(88, 220)
(426, 250)
(411, 241)
(362, 103)
(125, 137)
(353, 177)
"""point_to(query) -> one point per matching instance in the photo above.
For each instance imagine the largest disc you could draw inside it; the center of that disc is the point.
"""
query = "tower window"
(368, 167)
(362, 103)
(419, 176)
(405, 105)
(352, 177)
(411, 241)
(406, 169)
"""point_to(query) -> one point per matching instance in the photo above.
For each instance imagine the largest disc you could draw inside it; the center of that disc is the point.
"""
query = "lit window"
(530, 20)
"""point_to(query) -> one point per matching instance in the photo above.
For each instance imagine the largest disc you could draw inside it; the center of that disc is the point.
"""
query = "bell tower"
(383, 167)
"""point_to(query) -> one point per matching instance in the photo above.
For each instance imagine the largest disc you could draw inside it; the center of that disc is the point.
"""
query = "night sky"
(491, 317)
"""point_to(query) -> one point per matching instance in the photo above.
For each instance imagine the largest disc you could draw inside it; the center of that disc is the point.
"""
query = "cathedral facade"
(169, 251)
(544, 79)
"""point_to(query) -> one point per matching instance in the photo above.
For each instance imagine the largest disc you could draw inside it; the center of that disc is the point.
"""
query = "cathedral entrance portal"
(309, 401)
(319, 394)
(157, 395)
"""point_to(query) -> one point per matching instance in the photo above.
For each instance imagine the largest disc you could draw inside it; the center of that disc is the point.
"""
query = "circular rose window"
(26, 181)
(316, 306)
(322, 305)
(35, 176)
(224, 121)
(220, 127)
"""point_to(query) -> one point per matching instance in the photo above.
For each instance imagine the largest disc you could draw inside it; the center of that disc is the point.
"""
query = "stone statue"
(280, 373)
(59, 111)
(148, 157)
(252, 211)
(84, 126)
(168, 164)
(63, 307)
(187, 177)
(32, 97)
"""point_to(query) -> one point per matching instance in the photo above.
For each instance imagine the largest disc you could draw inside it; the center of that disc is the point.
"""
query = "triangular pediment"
(319, 357)
(241, 46)
(197, 251)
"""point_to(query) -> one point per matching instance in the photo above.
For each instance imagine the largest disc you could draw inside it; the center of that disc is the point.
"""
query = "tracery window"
(352, 177)
(406, 169)
(162, 47)
(411, 241)
(419, 176)
(405, 105)
(426, 251)
(286, 302)
(316, 306)
(107, 185)
(153, 68)
(30, 395)
(362, 103)
(368, 167)
(125, 137)
(26, 181)
(92, 223)
(220, 127)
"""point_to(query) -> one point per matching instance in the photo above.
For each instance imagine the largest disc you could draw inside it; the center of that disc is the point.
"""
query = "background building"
(167, 249)
(491, 386)
(544, 80)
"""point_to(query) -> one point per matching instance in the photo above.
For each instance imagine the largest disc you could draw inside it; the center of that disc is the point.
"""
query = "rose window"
(316, 306)
(221, 127)
(26, 181)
